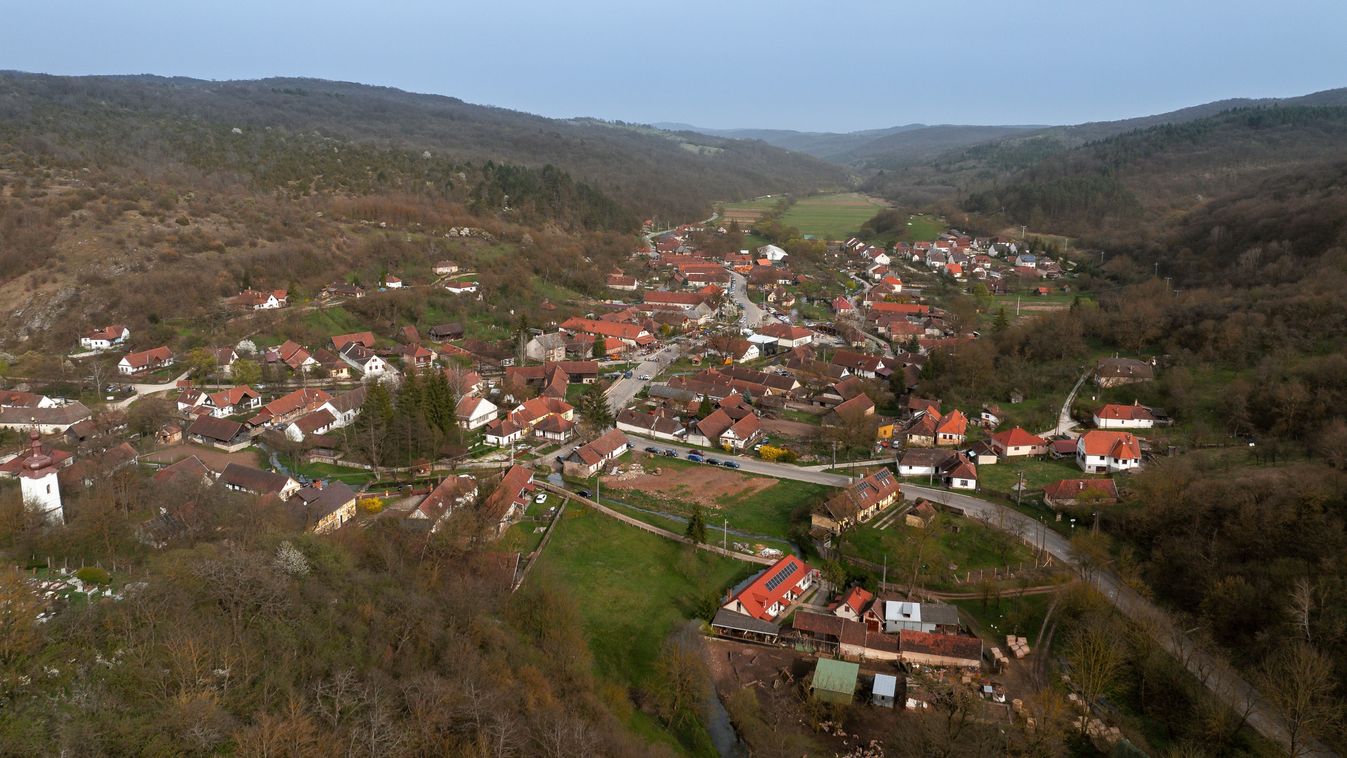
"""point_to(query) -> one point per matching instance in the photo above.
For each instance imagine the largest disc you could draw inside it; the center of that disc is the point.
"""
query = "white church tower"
(41, 492)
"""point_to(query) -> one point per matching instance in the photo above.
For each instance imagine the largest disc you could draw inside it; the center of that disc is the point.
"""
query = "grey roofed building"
(254, 480)
(48, 420)
(664, 391)
(740, 624)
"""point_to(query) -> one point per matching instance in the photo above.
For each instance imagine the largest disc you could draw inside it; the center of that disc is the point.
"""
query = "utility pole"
(1019, 489)
(1017, 306)
(884, 577)
(725, 535)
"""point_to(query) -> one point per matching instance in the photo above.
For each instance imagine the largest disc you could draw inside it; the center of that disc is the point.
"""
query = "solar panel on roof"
(780, 576)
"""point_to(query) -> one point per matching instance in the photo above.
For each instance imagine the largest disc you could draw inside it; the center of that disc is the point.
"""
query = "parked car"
(626, 375)
(584, 493)
(730, 464)
(541, 498)
(645, 377)
(695, 458)
(652, 450)
(713, 461)
(670, 453)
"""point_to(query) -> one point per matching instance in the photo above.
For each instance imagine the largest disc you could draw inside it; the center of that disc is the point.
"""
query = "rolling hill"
(110, 118)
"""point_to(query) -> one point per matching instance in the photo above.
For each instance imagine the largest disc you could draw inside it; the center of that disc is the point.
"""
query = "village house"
(1017, 442)
(923, 461)
(448, 497)
(1117, 416)
(1107, 452)
(218, 433)
(232, 401)
(474, 412)
(392, 282)
(951, 429)
(254, 481)
(622, 282)
(853, 604)
(767, 594)
(891, 616)
(787, 336)
(1115, 372)
(1071, 492)
(508, 501)
(362, 359)
(959, 473)
(254, 300)
(651, 425)
(857, 503)
(104, 338)
(921, 515)
(445, 268)
(461, 287)
(587, 460)
(546, 347)
(145, 360)
(290, 406)
(322, 507)
(46, 419)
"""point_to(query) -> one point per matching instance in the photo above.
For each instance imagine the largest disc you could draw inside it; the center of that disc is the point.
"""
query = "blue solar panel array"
(781, 576)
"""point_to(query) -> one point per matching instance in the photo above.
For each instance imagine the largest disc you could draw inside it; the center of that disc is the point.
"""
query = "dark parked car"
(713, 461)
(670, 453)
(730, 464)
(652, 450)
(695, 458)
(584, 493)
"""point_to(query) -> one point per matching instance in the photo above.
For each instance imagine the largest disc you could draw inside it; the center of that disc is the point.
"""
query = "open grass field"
(951, 546)
(832, 217)
(922, 228)
(633, 588)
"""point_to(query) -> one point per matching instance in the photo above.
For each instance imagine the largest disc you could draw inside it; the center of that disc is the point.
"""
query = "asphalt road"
(1217, 675)
(752, 314)
(142, 390)
(623, 390)
(1064, 421)
(750, 465)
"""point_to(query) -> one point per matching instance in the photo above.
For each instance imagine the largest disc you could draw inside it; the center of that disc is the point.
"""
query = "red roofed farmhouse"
(771, 592)
(1017, 442)
(1100, 452)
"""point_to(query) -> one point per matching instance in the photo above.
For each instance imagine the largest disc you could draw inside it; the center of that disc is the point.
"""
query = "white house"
(392, 282)
(772, 253)
(363, 360)
(1101, 452)
(475, 412)
(1117, 416)
(102, 339)
(461, 288)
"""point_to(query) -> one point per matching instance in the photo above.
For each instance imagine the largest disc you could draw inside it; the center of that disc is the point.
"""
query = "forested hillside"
(105, 118)
(1138, 181)
(994, 162)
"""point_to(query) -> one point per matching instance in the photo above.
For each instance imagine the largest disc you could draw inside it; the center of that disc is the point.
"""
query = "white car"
(644, 377)
(541, 498)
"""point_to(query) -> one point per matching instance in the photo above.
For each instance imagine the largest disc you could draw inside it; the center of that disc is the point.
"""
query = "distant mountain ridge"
(854, 148)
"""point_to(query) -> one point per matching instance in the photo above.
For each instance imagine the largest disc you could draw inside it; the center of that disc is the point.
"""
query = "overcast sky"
(831, 65)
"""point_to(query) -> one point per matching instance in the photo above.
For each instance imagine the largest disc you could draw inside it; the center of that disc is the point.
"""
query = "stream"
(718, 725)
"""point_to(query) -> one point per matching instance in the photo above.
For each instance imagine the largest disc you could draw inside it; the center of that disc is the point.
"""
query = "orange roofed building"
(768, 594)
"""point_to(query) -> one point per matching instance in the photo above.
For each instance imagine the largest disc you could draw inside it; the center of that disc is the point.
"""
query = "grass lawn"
(832, 217)
(953, 545)
(998, 617)
(1037, 473)
(352, 476)
(633, 588)
(765, 203)
(334, 320)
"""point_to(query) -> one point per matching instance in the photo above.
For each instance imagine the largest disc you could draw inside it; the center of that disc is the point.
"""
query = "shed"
(885, 690)
(835, 681)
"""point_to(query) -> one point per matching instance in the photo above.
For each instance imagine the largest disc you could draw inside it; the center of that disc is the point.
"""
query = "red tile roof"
(1118, 445)
(770, 587)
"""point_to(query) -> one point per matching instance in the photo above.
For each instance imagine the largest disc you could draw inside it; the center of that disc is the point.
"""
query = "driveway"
(140, 390)
(1064, 421)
